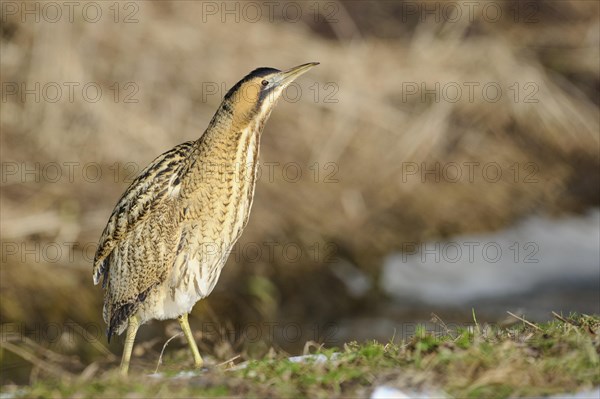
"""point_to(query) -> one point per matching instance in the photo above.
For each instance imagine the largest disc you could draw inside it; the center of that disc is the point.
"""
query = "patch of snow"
(320, 358)
(593, 394)
(511, 261)
(386, 392)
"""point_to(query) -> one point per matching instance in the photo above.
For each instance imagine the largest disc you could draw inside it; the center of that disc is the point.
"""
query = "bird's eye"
(264, 83)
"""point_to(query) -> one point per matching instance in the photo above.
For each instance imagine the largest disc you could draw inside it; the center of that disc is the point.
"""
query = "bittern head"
(254, 97)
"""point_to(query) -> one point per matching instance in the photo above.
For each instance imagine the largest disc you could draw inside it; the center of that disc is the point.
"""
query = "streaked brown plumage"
(169, 235)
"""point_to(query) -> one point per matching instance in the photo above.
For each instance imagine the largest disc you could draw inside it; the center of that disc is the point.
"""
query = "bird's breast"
(213, 216)
(230, 185)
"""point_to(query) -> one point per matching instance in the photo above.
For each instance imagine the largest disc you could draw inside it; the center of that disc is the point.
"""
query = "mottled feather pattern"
(169, 235)
(145, 190)
(138, 219)
(179, 218)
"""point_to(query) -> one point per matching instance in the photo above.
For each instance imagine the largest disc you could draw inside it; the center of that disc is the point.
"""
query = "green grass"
(483, 361)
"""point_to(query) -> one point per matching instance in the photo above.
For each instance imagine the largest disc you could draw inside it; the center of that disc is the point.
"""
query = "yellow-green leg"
(134, 324)
(187, 331)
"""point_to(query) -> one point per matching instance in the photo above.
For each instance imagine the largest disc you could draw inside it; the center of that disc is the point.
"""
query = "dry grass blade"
(524, 321)
(311, 344)
(438, 320)
(163, 350)
(568, 321)
(37, 348)
(89, 372)
(227, 362)
(95, 343)
(52, 369)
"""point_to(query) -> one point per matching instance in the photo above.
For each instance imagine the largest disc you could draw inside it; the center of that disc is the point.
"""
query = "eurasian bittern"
(170, 233)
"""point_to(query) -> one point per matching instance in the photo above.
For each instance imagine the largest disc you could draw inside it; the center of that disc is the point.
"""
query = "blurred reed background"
(344, 184)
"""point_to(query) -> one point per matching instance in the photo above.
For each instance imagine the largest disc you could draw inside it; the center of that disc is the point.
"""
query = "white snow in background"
(471, 267)
(386, 392)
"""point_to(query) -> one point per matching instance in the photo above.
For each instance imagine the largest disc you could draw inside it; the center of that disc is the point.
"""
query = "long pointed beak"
(287, 77)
